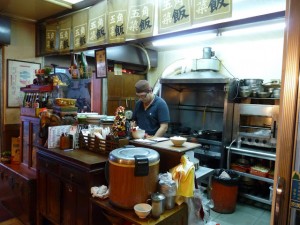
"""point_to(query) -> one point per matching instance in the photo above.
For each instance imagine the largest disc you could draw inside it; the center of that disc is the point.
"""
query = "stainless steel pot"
(158, 204)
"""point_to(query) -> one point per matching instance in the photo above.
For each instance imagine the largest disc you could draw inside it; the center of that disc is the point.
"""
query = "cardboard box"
(16, 150)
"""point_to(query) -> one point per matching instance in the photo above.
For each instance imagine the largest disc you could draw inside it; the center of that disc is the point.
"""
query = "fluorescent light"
(63, 4)
(180, 40)
(73, 1)
(255, 29)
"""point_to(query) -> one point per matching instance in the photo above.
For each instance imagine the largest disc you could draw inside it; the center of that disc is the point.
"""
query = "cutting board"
(168, 145)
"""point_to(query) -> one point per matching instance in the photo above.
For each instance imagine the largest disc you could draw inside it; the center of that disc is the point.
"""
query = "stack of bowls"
(245, 91)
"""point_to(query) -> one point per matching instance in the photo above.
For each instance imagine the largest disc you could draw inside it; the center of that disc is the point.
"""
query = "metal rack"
(257, 154)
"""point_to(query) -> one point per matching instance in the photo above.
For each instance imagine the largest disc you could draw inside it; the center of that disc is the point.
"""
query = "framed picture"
(101, 63)
(19, 74)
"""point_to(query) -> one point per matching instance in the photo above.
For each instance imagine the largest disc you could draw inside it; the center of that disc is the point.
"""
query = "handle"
(280, 188)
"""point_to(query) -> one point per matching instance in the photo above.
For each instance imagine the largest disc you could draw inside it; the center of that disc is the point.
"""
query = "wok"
(208, 134)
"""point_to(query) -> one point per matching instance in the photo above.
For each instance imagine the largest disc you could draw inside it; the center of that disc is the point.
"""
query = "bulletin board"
(19, 74)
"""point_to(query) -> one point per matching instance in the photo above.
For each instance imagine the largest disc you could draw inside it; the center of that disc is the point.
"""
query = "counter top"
(169, 217)
(81, 157)
(167, 145)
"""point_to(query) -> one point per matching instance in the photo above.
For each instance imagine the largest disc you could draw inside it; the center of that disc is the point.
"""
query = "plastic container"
(271, 193)
(224, 191)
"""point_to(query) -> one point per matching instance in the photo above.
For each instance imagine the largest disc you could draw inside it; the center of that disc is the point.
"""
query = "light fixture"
(64, 3)
(184, 39)
(255, 29)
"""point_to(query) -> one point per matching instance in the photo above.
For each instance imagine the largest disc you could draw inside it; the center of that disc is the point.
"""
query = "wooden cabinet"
(121, 91)
(64, 182)
(18, 191)
(30, 129)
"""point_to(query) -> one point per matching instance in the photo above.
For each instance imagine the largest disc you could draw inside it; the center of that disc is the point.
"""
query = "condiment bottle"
(64, 141)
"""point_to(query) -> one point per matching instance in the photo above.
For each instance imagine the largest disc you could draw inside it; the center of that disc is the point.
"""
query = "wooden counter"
(175, 216)
(169, 154)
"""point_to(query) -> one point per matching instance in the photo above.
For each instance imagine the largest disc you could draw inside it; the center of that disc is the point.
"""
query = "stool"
(202, 174)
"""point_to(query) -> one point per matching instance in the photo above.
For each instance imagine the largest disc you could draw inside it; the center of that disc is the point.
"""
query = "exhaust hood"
(207, 77)
(204, 70)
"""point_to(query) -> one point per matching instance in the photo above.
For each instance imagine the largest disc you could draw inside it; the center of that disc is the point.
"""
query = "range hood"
(204, 70)
(203, 76)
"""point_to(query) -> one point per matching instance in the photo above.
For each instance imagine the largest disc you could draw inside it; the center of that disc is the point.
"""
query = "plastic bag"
(167, 185)
(199, 208)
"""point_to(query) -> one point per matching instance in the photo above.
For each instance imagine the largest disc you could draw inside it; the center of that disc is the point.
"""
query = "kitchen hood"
(203, 76)
(204, 70)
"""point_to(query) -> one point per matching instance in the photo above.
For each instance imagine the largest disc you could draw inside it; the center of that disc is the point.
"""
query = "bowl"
(263, 94)
(245, 93)
(138, 134)
(177, 140)
(142, 210)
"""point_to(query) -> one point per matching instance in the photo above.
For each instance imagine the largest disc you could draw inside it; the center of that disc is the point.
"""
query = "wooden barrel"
(127, 186)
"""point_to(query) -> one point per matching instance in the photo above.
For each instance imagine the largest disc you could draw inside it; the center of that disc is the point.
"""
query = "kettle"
(158, 204)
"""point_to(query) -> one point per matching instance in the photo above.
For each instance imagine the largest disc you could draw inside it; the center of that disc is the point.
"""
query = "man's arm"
(162, 130)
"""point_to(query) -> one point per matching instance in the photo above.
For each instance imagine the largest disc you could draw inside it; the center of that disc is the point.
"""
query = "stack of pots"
(251, 87)
(256, 88)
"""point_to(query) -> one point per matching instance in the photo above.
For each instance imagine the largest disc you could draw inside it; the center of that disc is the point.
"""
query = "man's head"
(142, 86)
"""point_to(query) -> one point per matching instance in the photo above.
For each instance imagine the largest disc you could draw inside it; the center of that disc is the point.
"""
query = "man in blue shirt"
(151, 112)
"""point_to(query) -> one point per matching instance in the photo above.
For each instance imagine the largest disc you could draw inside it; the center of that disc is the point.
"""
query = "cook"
(151, 113)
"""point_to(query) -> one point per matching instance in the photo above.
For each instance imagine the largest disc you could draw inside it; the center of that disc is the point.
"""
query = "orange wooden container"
(133, 175)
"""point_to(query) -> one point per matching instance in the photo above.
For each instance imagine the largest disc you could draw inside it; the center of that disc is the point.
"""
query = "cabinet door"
(25, 141)
(53, 198)
(75, 205)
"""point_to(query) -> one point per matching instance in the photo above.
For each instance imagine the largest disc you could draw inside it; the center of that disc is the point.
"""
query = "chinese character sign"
(50, 40)
(80, 29)
(140, 19)
(97, 25)
(51, 37)
(117, 21)
(65, 35)
(209, 10)
(173, 14)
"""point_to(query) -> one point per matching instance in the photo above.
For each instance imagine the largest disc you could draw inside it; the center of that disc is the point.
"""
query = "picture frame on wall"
(19, 74)
(101, 63)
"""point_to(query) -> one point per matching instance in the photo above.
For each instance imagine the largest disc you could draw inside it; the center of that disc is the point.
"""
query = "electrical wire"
(235, 78)
(147, 56)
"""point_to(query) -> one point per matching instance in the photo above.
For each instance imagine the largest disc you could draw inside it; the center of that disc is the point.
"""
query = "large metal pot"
(252, 82)
(133, 175)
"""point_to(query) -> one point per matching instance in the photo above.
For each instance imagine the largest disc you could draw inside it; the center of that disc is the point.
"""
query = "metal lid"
(126, 155)
(157, 197)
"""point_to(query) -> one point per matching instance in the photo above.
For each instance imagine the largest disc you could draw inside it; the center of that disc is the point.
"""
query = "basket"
(97, 145)
(258, 173)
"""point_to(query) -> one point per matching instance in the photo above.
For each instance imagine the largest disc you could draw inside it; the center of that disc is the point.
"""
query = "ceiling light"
(255, 29)
(64, 3)
(183, 39)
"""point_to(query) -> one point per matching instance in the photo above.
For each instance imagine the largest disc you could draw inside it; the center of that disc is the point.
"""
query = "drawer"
(74, 175)
(48, 165)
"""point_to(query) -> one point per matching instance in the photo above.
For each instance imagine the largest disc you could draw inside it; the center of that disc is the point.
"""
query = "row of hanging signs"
(116, 21)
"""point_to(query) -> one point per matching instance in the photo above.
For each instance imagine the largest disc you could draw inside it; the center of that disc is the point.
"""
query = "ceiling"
(36, 10)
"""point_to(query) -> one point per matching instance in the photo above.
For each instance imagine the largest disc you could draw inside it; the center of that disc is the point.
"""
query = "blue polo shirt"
(151, 118)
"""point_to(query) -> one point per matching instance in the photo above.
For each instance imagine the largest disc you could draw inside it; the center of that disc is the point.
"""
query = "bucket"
(224, 191)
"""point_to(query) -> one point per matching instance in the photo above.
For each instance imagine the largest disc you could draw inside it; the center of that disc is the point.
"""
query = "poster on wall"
(19, 74)
(101, 65)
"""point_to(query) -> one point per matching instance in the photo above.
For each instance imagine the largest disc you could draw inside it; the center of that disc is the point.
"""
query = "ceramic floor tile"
(236, 218)
(252, 210)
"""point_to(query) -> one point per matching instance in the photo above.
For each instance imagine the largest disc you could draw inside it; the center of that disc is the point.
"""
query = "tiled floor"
(246, 213)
